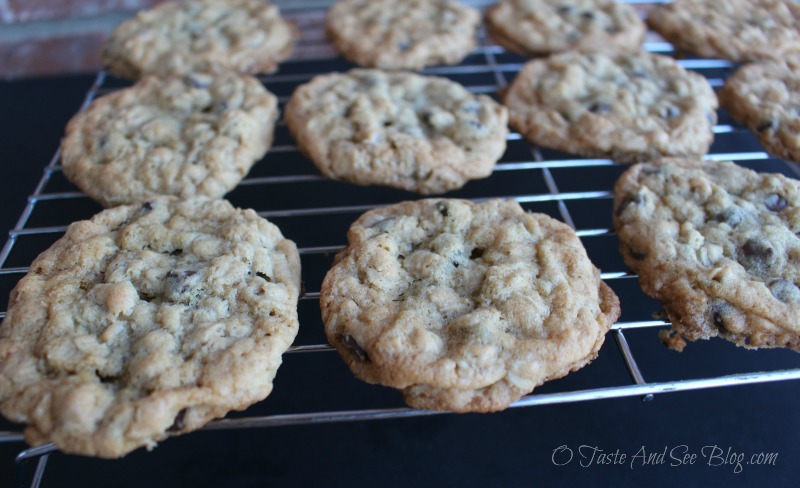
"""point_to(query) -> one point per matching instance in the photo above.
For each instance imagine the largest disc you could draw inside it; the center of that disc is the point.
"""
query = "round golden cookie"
(765, 96)
(536, 27)
(623, 106)
(464, 306)
(717, 244)
(147, 321)
(424, 134)
(409, 34)
(193, 135)
(738, 30)
(177, 38)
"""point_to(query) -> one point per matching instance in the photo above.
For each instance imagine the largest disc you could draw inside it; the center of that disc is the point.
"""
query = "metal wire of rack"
(562, 186)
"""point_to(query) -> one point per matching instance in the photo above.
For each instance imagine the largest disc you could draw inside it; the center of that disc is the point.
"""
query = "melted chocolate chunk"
(442, 208)
(767, 125)
(628, 201)
(476, 253)
(670, 112)
(263, 276)
(179, 423)
(599, 108)
(720, 312)
(351, 344)
(756, 253)
(775, 202)
(179, 282)
(638, 254)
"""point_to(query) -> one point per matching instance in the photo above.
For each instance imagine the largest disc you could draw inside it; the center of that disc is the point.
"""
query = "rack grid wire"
(280, 187)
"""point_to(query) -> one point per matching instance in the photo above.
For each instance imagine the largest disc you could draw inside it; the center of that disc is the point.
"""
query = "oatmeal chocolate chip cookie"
(765, 96)
(717, 244)
(738, 30)
(535, 27)
(147, 321)
(410, 34)
(183, 136)
(418, 133)
(464, 306)
(625, 106)
(176, 38)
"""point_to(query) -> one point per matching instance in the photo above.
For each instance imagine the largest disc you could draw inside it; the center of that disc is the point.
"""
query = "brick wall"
(14, 11)
(48, 37)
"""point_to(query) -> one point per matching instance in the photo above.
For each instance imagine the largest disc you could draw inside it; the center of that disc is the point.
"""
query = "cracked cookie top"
(464, 306)
(536, 27)
(765, 96)
(147, 321)
(738, 30)
(411, 34)
(625, 106)
(177, 38)
(419, 133)
(192, 135)
(718, 245)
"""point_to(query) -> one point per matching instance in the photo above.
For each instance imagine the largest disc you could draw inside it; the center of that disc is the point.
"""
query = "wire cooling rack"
(286, 188)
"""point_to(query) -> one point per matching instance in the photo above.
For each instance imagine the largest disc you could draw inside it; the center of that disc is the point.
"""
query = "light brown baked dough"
(624, 106)
(765, 96)
(177, 38)
(738, 30)
(464, 306)
(418, 133)
(536, 27)
(408, 34)
(717, 245)
(184, 136)
(147, 321)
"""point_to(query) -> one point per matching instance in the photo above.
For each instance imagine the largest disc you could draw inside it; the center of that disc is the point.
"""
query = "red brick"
(31, 10)
(74, 54)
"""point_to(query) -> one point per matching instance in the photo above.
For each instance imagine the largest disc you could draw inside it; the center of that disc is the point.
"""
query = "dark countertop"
(513, 448)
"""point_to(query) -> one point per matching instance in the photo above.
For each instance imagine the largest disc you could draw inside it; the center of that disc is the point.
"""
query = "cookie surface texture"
(765, 96)
(717, 245)
(624, 106)
(536, 27)
(418, 133)
(147, 321)
(409, 35)
(177, 38)
(182, 136)
(463, 306)
(738, 30)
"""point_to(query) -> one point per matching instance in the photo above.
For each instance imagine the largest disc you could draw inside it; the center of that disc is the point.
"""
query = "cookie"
(717, 245)
(464, 306)
(418, 133)
(178, 38)
(408, 35)
(738, 30)
(183, 136)
(624, 106)
(145, 322)
(765, 96)
(537, 27)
